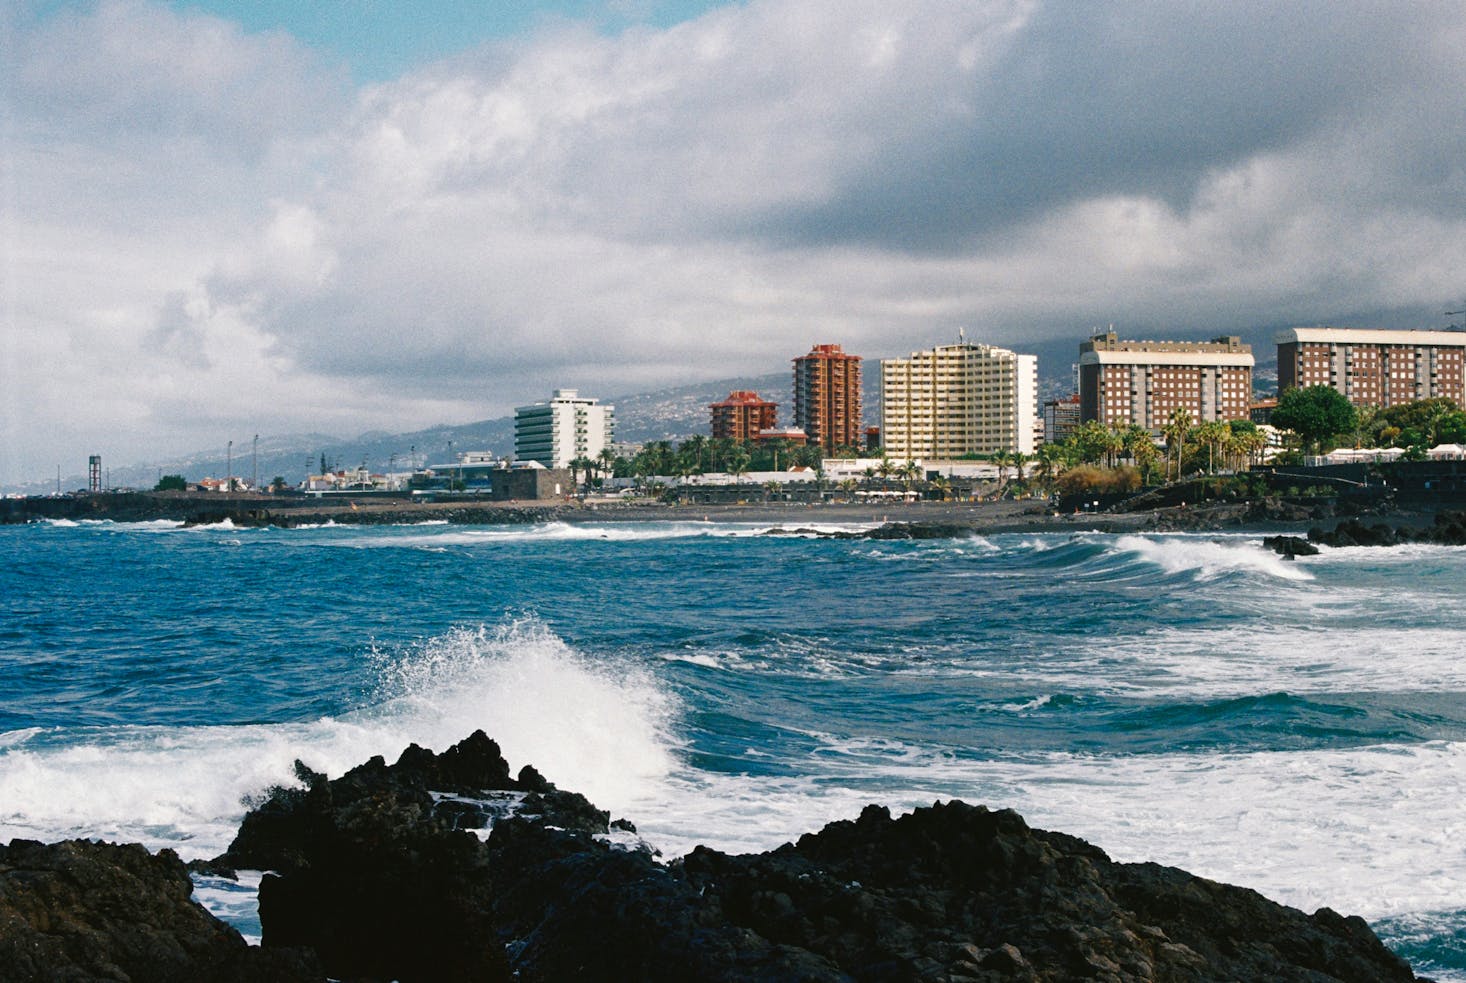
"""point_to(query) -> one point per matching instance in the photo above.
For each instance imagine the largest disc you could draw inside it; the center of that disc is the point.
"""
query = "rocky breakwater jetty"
(1448, 529)
(387, 873)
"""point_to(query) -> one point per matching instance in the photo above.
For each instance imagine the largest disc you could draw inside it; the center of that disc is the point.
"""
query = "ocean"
(1294, 727)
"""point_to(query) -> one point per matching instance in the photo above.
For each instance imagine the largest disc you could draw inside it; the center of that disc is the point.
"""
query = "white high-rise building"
(567, 427)
(959, 399)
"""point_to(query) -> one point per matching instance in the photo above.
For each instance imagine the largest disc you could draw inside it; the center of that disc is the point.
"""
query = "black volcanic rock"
(375, 870)
(1448, 529)
(377, 879)
(1289, 547)
(79, 910)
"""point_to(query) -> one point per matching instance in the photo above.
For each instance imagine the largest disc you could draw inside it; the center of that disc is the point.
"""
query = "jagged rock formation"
(387, 873)
(1289, 547)
(1448, 529)
(374, 876)
(79, 910)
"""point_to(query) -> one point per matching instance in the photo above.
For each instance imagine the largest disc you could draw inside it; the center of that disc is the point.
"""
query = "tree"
(1001, 460)
(1177, 428)
(1315, 413)
(1019, 460)
(1091, 441)
(1050, 463)
(171, 482)
(738, 463)
(1146, 455)
(1212, 435)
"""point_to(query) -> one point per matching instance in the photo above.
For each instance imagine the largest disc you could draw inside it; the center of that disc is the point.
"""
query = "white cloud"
(206, 229)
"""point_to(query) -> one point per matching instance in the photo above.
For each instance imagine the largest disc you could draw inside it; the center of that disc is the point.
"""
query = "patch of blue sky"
(382, 39)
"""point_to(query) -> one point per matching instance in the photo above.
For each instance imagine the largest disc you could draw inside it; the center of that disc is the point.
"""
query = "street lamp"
(229, 468)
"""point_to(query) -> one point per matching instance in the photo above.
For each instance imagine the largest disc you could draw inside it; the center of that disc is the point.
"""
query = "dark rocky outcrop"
(374, 876)
(374, 871)
(1289, 547)
(1447, 529)
(79, 910)
(378, 876)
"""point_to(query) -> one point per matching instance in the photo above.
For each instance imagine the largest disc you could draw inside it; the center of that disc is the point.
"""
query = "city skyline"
(226, 218)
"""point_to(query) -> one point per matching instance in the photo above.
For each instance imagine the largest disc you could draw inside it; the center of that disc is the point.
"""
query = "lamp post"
(229, 468)
(254, 464)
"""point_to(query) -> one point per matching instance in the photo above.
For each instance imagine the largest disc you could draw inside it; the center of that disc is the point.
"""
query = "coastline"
(978, 518)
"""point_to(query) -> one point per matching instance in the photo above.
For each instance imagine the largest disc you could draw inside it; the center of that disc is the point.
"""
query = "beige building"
(1144, 382)
(1374, 368)
(959, 399)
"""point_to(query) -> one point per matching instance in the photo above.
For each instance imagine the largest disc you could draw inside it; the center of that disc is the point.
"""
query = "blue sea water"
(1298, 728)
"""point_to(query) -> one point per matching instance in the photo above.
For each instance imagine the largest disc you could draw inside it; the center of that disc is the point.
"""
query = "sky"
(228, 218)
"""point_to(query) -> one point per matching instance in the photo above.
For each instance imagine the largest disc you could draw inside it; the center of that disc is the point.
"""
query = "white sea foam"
(599, 730)
(14, 738)
(1207, 559)
(440, 534)
(1374, 831)
(1219, 662)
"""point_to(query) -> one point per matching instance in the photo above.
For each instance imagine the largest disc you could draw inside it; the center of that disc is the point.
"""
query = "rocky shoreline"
(388, 872)
(961, 518)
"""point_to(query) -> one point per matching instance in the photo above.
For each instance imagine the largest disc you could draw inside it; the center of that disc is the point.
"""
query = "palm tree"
(1019, 459)
(693, 449)
(1114, 444)
(1211, 435)
(1000, 459)
(848, 486)
(910, 471)
(1175, 431)
(1050, 463)
(738, 463)
(1145, 454)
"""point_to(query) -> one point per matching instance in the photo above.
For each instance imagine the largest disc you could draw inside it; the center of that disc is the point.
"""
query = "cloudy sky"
(265, 216)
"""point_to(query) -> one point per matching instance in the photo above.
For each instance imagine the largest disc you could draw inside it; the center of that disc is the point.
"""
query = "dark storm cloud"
(1094, 100)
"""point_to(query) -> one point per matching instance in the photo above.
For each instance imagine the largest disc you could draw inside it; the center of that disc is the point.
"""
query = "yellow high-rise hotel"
(959, 399)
